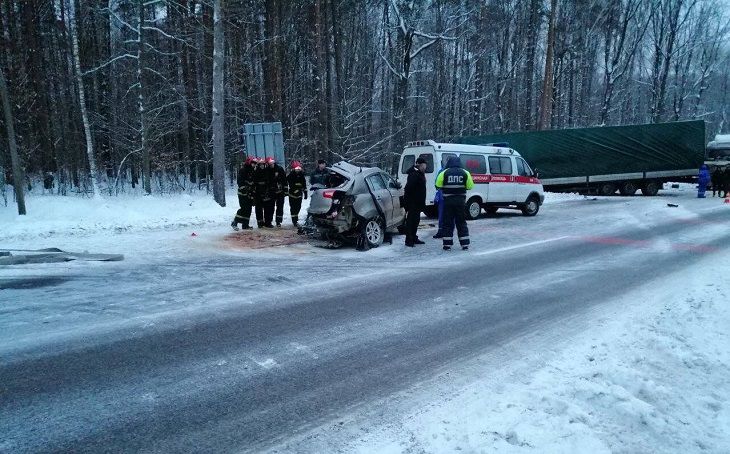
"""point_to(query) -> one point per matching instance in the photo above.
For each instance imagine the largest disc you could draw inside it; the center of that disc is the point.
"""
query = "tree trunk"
(546, 102)
(18, 177)
(219, 152)
(82, 99)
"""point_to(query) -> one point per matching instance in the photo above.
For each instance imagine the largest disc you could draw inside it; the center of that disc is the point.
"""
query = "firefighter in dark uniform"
(297, 190)
(454, 181)
(263, 189)
(245, 195)
(279, 188)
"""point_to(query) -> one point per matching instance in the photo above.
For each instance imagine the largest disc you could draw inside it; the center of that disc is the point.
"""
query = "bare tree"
(18, 177)
(93, 174)
(219, 165)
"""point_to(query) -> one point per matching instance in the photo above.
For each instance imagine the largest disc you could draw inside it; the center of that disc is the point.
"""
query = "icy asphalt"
(193, 347)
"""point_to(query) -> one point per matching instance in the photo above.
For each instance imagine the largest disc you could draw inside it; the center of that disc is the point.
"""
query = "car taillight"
(328, 194)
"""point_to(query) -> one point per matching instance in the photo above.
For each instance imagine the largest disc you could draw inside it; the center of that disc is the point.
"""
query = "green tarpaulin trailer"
(606, 159)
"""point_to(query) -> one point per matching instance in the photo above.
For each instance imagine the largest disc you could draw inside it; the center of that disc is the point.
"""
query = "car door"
(523, 179)
(382, 196)
(502, 181)
(395, 194)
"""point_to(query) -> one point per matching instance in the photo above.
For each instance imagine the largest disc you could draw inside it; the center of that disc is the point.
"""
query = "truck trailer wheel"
(606, 189)
(650, 189)
(627, 188)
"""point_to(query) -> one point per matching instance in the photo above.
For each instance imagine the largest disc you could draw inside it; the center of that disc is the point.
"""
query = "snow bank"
(52, 215)
(647, 378)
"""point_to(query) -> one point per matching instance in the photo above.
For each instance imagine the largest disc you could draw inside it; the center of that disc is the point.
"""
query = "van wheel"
(473, 208)
(607, 189)
(627, 188)
(531, 207)
(650, 189)
(374, 232)
(431, 212)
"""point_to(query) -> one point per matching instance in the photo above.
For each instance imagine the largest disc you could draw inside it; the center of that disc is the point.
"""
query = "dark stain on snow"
(31, 283)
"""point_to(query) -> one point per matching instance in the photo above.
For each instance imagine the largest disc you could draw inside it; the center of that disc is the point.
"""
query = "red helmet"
(249, 160)
(296, 165)
(270, 160)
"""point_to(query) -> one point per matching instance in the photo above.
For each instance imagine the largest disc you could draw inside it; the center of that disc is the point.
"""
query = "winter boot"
(234, 226)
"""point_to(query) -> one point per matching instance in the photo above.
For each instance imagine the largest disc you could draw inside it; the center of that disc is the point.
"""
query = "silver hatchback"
(358, 203)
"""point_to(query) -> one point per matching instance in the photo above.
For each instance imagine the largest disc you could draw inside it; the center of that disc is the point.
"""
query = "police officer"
(245, 195)
(263, 186)
(279, 189)
(454, 182)
(297, 190)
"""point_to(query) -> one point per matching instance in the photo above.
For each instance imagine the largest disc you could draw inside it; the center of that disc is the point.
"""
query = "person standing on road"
(279, 188)
(414, 196)
(297, 190)
(717, 183)
(320, 174)
(454, 182)
(726, 181)
(703, 178)
(245, 195)
(263, 182)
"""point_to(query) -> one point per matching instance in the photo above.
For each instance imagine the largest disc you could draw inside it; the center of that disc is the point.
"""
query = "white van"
(502, 179)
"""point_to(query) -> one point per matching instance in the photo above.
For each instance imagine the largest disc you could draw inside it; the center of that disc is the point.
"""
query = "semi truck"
(603, 160)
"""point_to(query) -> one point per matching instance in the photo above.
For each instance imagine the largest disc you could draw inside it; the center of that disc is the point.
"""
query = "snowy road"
(209, 350)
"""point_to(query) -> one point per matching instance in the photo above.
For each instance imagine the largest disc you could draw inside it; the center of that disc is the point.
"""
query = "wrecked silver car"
(360, 204)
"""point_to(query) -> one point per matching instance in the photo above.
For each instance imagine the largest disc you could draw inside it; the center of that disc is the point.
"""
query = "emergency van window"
(409, 161)
(521, 171)
(376, 182)
(500, 165)
(474, 163)
(429, 161)
(445, 158)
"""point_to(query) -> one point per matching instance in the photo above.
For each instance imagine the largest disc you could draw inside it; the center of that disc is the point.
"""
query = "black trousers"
(454, 213)
(413, 218)
(264, 211)
(295, 205)
(243, 215)
(279, 203)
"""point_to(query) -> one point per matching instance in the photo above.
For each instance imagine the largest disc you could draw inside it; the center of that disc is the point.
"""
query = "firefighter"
(245, 195)
(279, 188)
(263, 190)
(320, 175)
(297, 189)
(454, 182)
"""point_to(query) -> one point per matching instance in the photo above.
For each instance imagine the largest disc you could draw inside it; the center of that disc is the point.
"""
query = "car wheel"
(627, 188)
(374, 232)
(607, 189)
(531, 207)
(650, 189)
(473, 208)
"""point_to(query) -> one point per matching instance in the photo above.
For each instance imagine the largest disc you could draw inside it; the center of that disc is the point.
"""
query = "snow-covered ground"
(650, 375)
(646, 374)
